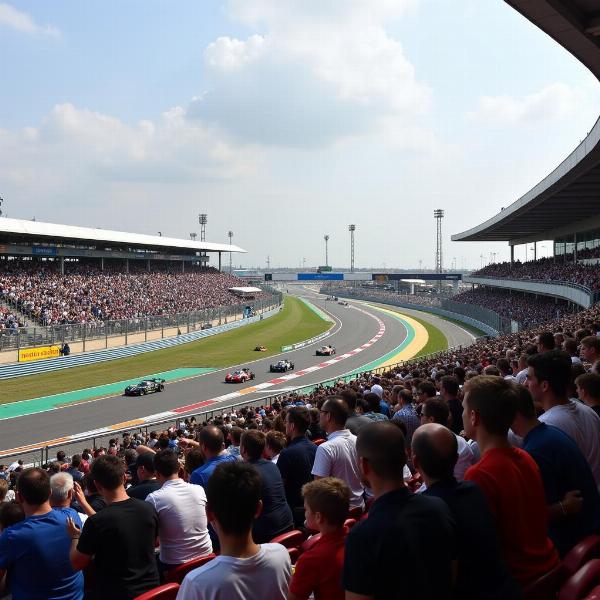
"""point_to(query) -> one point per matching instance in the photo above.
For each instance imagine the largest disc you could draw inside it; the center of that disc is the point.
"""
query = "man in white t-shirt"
(181, 508)
(337, 456)
(548, 377)
(243, 569)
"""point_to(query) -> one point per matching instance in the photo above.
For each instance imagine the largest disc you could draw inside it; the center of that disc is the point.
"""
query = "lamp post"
(351, 229)
(230, 236)
(326, 238)
(193, 236)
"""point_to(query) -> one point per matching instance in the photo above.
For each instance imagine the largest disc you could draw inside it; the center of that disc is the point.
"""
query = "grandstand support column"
(412, 289)
(574, 248)
(534, 251)
(148, 265)
(62, 265)
(512, 255)
(219, 261)
(102, 264)
(126, 265)
(183, 266)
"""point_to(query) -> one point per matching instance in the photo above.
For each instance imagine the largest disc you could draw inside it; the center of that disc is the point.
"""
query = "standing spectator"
(181, 509)
(146, 477)
(212, 447)
(373, 407)
(482, 574)
(36, 551)
(354, 421)
(75, 468)
(244, 569)
(275, 442)
(337, 456)
(234, 436)
(406, 547)
(571, 492)
(296, 460)
(119, 539)
(509, 478)
(319, 570)
(449, 392)
(276, 516)
(545, 342)
(548, 378)
(407, 414)
(61, 496)
(588, 390)
(590, 350)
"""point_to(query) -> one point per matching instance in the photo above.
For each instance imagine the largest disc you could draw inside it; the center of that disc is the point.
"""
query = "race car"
(147, 386)
(240, 376)
(282, 366)
(343, 303)
(260, 349)
(326, 351)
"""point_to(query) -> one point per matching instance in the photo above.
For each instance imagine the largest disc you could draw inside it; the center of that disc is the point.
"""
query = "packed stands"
(85, 294)
(545, 269)
(8, 320)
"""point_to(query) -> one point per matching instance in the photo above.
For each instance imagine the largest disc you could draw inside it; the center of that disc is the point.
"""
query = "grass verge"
(437, 340)
(296, 322)
(476, 332)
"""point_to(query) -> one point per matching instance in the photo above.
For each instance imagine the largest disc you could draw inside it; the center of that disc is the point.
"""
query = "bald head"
(436, 450)
(212, 440)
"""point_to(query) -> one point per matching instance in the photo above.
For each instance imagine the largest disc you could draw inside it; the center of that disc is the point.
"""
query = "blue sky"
(284, 120)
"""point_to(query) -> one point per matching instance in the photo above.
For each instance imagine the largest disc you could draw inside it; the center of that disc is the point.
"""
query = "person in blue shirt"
(212, 445)
(62, 496)
(36, 550)
(571, 493)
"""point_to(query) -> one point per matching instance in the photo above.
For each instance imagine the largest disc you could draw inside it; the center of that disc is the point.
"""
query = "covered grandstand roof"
(569, 197)
(51, 232)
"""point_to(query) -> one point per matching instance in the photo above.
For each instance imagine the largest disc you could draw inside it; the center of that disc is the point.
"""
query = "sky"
(284, 121)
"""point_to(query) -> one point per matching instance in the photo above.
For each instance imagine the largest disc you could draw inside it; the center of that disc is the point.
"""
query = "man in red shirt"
(319, 569)
(509, 478)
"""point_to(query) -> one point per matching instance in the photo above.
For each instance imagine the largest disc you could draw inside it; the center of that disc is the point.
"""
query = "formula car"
(282, 366)
(147, 386)
(260, 349)
(343, 303)
(240, 376)
(326, 351)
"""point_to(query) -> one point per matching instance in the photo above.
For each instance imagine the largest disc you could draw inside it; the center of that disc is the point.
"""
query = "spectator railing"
(40, 454)
(39, 335)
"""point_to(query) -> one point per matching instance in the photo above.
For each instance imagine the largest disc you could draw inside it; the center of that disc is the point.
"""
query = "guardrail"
(39, 454)
(87, 358)
(306, 342)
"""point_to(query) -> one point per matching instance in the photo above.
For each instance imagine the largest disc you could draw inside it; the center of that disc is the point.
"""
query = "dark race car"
(326, 351)
(282, 366)
(240, 376)
(147, 386)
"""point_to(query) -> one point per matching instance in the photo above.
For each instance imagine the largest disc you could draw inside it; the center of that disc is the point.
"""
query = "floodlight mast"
(326, 238)
(438, 215)
(351, 229)
(230, 236)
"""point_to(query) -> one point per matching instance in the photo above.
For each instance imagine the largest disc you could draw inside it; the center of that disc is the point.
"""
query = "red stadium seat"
(294, 554)
(349, 523)
(582, 553)
(594, 594)
(177, 574)
(582, 582)
(547, 586)
(318, 442)
(162, 592)
(291, 539)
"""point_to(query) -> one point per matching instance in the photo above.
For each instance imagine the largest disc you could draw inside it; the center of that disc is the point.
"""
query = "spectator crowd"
(85, 294)
(468, 475)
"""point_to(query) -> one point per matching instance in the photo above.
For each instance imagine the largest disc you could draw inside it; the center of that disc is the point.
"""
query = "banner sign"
(422, 276)
(30, 354)
(320, 276)
(43, 251)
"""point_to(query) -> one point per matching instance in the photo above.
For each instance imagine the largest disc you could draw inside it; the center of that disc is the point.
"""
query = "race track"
(354, 327)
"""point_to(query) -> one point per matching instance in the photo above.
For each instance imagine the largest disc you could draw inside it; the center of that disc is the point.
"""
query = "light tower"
(202, 219)
(438, 215)
(230, 236)
(326, 238)
(351, 229)
(193, 236)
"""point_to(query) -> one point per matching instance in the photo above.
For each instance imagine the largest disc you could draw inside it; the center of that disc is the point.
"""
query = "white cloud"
(320, 72)
(19, 21)
(556, 100)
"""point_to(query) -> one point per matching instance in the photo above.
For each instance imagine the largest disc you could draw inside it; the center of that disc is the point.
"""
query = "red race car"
(240, 376)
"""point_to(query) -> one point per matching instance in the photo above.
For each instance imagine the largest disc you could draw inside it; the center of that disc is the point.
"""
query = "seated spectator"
(319, 570)
(509, 478)
(11, 513)
(211, 443)
(146, 477)
(276, 516)
(244, 569)
(406, 547)
(571, 493)
(296, 460)
(548, 379)
(181, 509)
(36, 550)
(588, 390)
(275, 442)
(119, 539)
(337, 456)
(435, 410)
(482, 574)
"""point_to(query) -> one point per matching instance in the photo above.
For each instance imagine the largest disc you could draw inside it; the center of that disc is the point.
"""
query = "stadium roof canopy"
(15, 230)
(567, 201)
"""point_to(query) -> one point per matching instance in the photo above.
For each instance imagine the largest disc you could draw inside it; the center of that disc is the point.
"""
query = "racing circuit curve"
(363, 334)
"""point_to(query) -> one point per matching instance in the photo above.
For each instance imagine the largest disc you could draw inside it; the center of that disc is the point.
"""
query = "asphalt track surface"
(353, 328)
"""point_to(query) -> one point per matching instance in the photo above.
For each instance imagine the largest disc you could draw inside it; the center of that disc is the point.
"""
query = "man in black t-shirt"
(121, 538)
(146, 475)
(405, 549)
